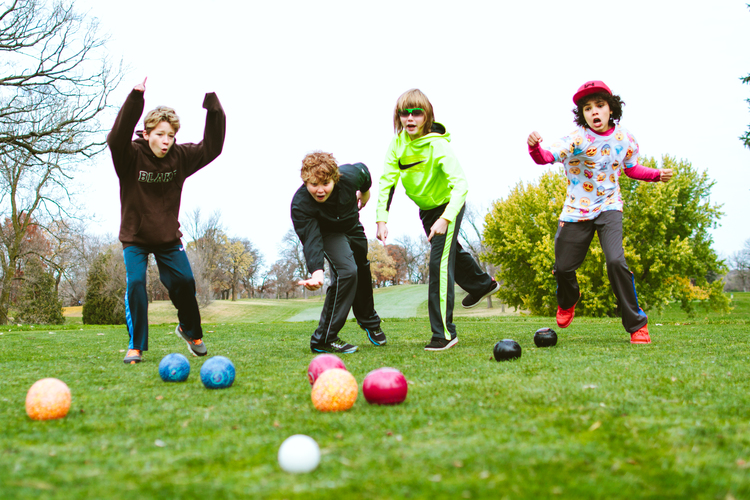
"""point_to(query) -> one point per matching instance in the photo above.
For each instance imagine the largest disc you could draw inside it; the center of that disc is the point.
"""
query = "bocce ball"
(299, 454)
(334, 390)
(321, 363)
(545, 337)
(385, 386)
(47, 399)
(174, 368)
(507, 349)
(217, 373)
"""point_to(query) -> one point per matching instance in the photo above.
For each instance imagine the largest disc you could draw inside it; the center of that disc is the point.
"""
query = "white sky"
(296, 76)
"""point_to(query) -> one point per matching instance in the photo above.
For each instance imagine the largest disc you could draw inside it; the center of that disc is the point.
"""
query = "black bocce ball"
(507, 349)
(545, 337)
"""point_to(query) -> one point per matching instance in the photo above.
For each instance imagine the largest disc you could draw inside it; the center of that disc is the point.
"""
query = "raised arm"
(215, 129)
(539, 155)
(121, 136)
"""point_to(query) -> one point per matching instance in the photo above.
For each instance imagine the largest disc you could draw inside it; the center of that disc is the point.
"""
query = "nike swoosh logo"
(404, 167)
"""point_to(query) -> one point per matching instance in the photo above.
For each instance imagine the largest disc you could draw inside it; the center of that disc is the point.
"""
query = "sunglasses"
(415, 112)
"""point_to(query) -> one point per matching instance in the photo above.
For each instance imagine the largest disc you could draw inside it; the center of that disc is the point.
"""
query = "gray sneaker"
(196, 346)
(132, 357)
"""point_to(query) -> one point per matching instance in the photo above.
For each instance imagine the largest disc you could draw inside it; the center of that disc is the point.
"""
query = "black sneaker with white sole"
(337, 346)
(376, 335)
(471, 301)
(440, 344)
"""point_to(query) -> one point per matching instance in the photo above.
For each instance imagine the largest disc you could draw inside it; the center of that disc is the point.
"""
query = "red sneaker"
(641, 336)
(565, 316)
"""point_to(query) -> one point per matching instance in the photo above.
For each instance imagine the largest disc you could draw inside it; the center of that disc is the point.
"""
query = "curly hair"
(161, 114)
(615, 108)
(413, 98)
(319, 168)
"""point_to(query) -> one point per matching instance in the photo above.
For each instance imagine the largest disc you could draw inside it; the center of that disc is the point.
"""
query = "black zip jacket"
(338, 214)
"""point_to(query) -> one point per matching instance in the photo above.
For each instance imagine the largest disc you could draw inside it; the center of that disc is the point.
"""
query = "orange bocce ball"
(48, 398)
(334, 390)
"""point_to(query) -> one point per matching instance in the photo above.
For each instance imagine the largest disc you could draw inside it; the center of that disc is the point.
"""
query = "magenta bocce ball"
(385, 386)
(321, 363)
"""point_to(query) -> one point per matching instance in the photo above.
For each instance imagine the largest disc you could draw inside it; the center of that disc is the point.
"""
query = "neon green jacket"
(429, 171)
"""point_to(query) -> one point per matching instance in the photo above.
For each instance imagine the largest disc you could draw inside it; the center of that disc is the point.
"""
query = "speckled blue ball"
(217, 373)
(174, 368)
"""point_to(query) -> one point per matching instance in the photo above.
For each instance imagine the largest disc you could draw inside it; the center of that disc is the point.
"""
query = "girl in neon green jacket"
(421, 157)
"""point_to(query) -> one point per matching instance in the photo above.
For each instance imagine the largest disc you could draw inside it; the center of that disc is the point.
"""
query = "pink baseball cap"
(589, 88)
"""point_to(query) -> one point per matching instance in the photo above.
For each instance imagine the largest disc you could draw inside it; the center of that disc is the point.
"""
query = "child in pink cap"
(594, 156)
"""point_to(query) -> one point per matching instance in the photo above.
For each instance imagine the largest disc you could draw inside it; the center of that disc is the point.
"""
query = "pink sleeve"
(541, 156)
(642, 173)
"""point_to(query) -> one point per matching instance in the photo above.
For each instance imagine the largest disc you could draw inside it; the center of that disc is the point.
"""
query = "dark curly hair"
(615, 107)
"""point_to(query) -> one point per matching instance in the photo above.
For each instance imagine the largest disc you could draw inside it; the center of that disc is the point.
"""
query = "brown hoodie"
(151, 187)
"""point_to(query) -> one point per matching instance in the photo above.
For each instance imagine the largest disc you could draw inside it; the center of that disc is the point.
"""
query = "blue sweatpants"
(175, 273)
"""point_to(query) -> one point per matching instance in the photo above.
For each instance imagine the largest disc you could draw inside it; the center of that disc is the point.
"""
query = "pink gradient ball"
(385, 386)
(321, 363)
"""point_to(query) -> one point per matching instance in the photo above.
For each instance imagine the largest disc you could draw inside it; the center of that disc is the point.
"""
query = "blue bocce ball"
(217, 373)
(174, 368)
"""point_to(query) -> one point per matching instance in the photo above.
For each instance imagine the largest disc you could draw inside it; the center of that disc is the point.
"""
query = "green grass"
(593, 417)
(403, 301)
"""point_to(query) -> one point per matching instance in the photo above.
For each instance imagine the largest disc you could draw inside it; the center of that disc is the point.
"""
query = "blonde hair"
(319, 168)
(413, 98)
(161, 114)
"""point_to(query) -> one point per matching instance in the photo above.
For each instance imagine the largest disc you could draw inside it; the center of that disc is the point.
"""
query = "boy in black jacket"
(325, 214)
(152, 170)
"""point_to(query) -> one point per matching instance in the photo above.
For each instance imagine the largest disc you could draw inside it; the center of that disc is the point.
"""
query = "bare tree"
(293, 260)
(71, 256)
(55, 80)
(252, 278)
(416, 257)
(739, 277)
(472, 229)
(207, 253)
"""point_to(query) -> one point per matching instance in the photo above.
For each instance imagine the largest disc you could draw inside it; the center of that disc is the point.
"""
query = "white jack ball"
(299, 454)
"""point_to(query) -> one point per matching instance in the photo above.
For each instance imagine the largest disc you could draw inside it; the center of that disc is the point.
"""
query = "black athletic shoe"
(471, 301)
(376, 335)
(440, 344)
(335, 346)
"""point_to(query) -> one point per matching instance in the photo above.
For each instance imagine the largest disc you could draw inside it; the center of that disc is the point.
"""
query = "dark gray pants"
(351, 285)
(449, 264)
(571, 245)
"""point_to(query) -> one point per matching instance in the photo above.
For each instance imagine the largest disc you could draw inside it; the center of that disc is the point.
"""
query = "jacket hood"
(437, 132)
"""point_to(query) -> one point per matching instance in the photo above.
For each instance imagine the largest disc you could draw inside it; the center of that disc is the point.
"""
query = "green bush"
(38, 302)
(105, 294)
(665, 236)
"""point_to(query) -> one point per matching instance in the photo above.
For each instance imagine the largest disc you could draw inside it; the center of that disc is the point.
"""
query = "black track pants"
(571, 245)
(449, 264)
(351, 285)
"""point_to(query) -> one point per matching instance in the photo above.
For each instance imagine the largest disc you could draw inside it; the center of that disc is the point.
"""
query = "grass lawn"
(593, 417)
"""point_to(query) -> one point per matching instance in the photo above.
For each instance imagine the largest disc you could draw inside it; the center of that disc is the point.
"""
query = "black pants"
(351, 285)
(571, 245)
(449, 264)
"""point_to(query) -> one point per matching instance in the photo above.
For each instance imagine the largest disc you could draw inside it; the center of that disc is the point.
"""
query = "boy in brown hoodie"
(152, 170)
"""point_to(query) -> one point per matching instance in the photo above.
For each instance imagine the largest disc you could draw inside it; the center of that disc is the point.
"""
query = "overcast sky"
(295, 77)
